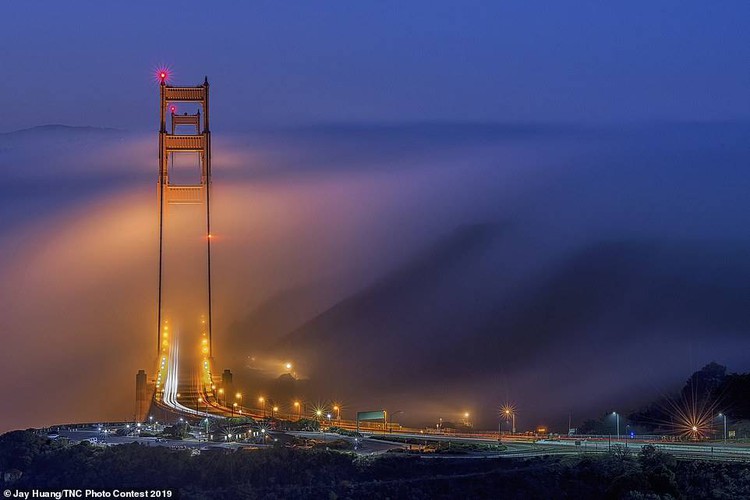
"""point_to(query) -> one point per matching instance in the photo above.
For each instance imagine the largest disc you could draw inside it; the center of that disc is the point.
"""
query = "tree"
(703, 383)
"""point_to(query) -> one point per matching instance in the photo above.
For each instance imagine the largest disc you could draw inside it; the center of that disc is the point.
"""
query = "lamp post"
(510, 417)
(725, 426)
(617, 418)
(274, 410)
(234, 407)
(299, 409)
(337, 409)
(221, 392)
(627, 434)
(262, 402)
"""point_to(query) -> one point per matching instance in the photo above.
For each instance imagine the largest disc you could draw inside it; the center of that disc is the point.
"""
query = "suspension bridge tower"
(182, 134)
(170, 143)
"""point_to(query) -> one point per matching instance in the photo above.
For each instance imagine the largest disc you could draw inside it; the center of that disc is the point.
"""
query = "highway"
(522, 446)
(517, 446)
(366, 445)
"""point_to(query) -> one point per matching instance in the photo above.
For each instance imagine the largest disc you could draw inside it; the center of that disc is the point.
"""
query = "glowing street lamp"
(234, 407)
(337, 409)
(221, 393)
(298, 407)
(509, 413)
(274, 410)
(262, 401)
(617, 417)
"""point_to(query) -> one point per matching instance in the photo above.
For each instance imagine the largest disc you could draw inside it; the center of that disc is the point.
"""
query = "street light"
(234, 407)
(617, 418)
(510, 416)
(725, 426)
(274, 410)
(627, 434)
(299, 409)
(262, 401)
(337, 409)
(221, 393)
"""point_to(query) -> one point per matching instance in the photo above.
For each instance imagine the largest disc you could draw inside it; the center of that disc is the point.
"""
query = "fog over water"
(433, 268)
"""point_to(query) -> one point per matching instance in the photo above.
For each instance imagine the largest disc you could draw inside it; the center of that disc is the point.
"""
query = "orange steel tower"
(184, 194)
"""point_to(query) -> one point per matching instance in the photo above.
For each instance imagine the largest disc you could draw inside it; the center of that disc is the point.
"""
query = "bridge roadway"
(194, 409)
(519, 446)
(194, 404)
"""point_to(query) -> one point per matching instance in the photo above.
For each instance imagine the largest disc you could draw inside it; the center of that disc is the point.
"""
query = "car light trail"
(172, 382)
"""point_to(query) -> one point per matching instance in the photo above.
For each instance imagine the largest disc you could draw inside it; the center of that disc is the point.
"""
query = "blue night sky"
(91, 63)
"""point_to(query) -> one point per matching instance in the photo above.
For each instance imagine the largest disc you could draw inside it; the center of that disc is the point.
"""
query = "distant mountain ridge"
(59, 128)
(436, 320)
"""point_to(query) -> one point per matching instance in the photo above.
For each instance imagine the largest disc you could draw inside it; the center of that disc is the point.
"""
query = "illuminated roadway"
(171, 385)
